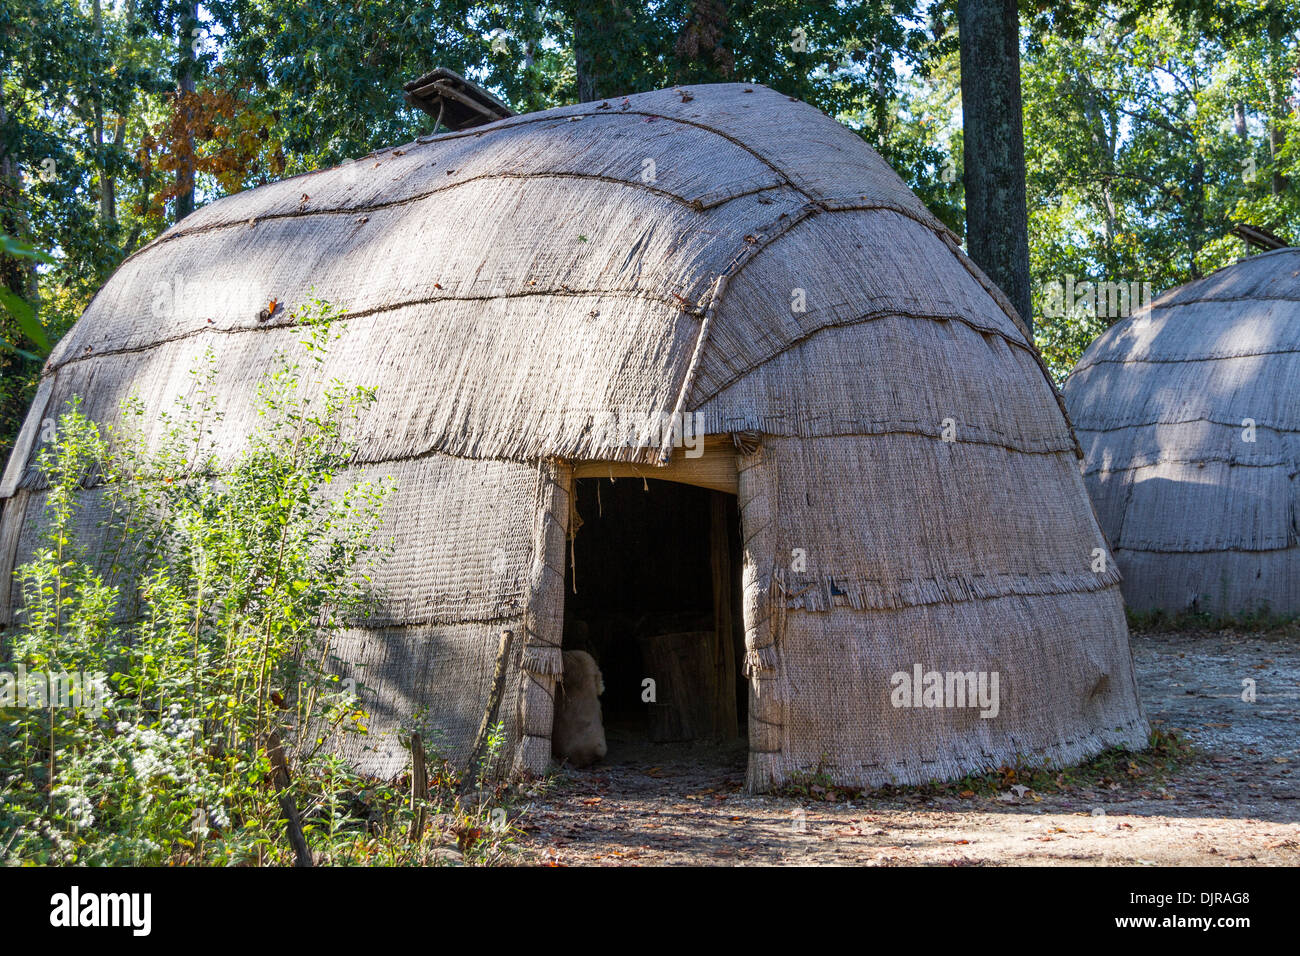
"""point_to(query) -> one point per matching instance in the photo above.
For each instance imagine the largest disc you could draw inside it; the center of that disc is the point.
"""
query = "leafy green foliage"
(210, 601)
(19, 309)
(1147, 135)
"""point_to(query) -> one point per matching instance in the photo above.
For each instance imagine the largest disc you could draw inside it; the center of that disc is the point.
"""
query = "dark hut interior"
(652, 591)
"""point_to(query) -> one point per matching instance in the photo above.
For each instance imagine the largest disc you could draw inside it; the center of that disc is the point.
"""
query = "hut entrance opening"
(653, 593)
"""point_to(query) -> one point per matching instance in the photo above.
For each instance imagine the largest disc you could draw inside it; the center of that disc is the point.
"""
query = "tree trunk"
(1196, 217)
(107, 179)
(1279, 76)
(997, 220)
(108, 182)
(11, 274)
(14, 369)
(107, 212)
(17, 275)
(185, 70)
(144, 199)
(595, 25)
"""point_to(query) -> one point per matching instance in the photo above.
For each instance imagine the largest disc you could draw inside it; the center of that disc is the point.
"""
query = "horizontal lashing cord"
(1091, 430)
(890, 595)
(1189, 550)
(514, 122)
(1212, 299)
(863, 319)
(1067, 449)
(694, 204)
(561, 293)
(380, 622)
(1163, 460)
(1131, 360)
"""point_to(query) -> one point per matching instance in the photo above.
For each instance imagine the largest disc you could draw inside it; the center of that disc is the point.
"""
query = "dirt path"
(1237, 802)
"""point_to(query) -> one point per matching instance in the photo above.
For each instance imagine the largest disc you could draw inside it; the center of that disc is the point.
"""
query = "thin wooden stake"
(490, 714)
(419, 788)
(280, 779)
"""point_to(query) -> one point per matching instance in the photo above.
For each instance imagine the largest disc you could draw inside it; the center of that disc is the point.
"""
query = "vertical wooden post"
(489, 714)
(725, 723)
(419, 787)
(280, 780)
(541, 659)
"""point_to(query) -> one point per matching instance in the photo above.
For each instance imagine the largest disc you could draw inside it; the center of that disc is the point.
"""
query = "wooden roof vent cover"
(1259, 237)
(454, 101)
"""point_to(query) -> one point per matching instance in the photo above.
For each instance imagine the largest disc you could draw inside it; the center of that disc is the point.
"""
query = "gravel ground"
(1237, 801)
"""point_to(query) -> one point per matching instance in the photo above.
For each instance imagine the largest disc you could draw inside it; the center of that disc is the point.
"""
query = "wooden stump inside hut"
(689, 699)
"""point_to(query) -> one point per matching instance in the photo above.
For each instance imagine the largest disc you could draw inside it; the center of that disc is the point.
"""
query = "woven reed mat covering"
(722, 250)
(1199, 516)
(847, 582)
(464, 566)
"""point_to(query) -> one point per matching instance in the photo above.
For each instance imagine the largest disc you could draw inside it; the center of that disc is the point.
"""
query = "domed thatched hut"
(882, 445)
(1189, 417)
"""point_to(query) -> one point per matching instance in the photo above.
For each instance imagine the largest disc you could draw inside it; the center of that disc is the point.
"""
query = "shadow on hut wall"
(653, 593)
(1218, 542)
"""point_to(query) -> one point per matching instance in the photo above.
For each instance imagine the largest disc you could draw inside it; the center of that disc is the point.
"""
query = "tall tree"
(997, 221)
(187, 45)
(1279, 83)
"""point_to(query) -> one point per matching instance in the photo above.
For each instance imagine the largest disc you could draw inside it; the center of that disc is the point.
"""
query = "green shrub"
(211, 610)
